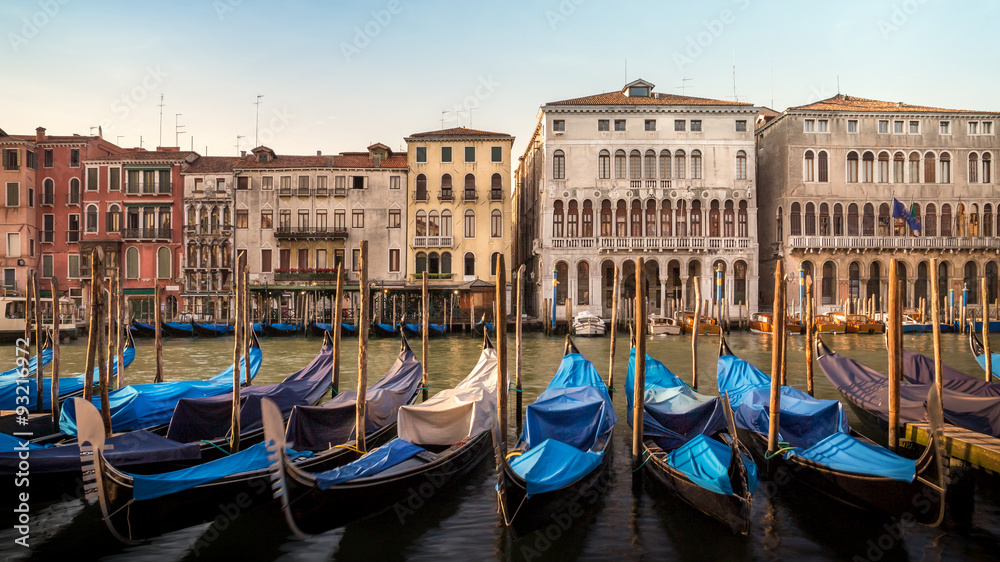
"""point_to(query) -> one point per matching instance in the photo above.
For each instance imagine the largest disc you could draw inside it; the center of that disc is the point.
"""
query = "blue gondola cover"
(386, 456)
(706, 462)
(67, 386)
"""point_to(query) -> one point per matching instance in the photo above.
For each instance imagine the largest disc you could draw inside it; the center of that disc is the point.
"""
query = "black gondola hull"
(215, 331)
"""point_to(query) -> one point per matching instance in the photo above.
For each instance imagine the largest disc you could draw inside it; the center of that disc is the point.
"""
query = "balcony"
(310, 232)
(496, 195)
(420, 196)
(284, 192)
(573, 242)
(340, 192)
(470, 196)
(147, 234)
(665, 184)
(73, 198)
(72, 236)
(48, 199)
(892, 243)
(329, 275)
(446, 195)
(433, 242)
(656, 244)
(322, 192)
(155, 188)
(303, 191)
(418, 277)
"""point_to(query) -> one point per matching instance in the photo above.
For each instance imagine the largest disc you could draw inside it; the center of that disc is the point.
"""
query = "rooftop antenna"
(735, 96)
(92, 131)
(238, 137)
(471, 109)
(256, 123)
(140, 141)
(442, 119)
(161, 121)
(192, 143)
(683, 86)
(177, 130)
(838, 84)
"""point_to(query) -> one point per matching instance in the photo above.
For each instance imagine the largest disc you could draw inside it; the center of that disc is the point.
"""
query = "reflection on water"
(462, 522)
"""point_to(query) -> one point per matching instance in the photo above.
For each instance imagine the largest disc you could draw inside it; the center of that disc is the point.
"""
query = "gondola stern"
(274, 439)
(938, 463)
(822, 350)
(724, 347)
(570, 347)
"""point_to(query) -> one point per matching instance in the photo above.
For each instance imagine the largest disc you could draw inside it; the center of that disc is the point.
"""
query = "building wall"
(20, 253)
(207, 263)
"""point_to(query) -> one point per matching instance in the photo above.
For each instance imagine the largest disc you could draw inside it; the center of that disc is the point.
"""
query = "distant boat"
(763, 323)
(319, 328)
(828, 324)
(663, 326)
(979, 352)
(385, 330)
(213, 330)
(280, 330)
(177, 329)
(706, 326)
(416, 330)
(587, 324)
(12, 312)
(859, 323)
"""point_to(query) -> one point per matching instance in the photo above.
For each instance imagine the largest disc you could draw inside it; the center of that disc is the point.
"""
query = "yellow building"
(459, 212)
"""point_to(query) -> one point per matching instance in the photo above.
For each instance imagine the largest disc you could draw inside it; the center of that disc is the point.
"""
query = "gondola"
(320, 436)
(979, 352)
(866, 390)
(11, 398)
(211, 330)
(416, 330)
(820, 452)
(177, 329)
(150, 406)
(319, 328)
(683, 447)
(440, 441)
(143, 330)
(280, 330)
(29, 370)
(564, 449)
(385, 330)
(479, 326)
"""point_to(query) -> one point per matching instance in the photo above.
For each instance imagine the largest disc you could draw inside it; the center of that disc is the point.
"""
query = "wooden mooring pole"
(338, 311)
(425, 320)
(518, 350)
(988, 354)
(614, 328)
(639, 387)
(54, 387)
(777, 339)
(895, 339)
(810, 333)
(697, 329)
(362, 326)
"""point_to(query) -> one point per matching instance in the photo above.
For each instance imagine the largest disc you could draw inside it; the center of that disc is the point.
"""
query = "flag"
(899, 211)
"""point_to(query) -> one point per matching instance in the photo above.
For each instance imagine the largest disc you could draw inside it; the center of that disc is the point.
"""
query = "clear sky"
(337, 75)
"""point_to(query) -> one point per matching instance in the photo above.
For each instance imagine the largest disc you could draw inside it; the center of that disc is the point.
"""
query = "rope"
(784, 447)
(648, 456)
(216, 446)
(350, 448)
(515, 389)
(515, 453)
(428, 387)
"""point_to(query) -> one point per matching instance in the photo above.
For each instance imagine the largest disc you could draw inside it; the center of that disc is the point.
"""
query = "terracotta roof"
(51, 138)
(146, 156)
(458, 132)
(619, 98)
(364, 160)
(281, 161)
(841, 102)
(213, 165)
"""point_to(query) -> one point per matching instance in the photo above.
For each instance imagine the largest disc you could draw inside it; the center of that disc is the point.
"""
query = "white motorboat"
(661, 325)
(586, 324)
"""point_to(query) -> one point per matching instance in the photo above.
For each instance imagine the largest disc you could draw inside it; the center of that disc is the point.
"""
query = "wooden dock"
(982, 451)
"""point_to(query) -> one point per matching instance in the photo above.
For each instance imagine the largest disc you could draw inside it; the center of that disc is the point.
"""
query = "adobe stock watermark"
(697, 43)
(32, 25)
(898, 17)
(365, 34)
(278, 121)
(562, 12)
(483, 91)
(543, 539)
(22, 478)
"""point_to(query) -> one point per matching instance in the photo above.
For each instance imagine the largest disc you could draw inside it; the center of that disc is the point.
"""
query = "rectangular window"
(356, 259)
(358, 218)
(47, 266)
(823, 126)
(339, 219)
(973, 127)
(31, 197)
(650, 124)
(603, 125)
(619, 124)
(242, 182)
(496, 154)
(265, 260)
(91, 179)
(696, 125)
(741, 126)
(32, 160)
(421, 154)
(321, 185)
(267, 219)
(48, 228)
(74, 158)
(394, 260)
(944, 127)
(897, 127)
(48, 158)
(680, 124)
(267, 182)
(303, 220)
(883, 126)
(357, 182)
(13, 244)
(809, 125)
(73, 265)
(852, 125)
(114, 179)
(558, 125)
(395, 218)
(285, 187)
(987, 127)
(11, 159)
(321, 222)
(470, 154)
(394, 182)
(470, 225)
(914, 127)
(13, 195)
(242, 218)
(303, 185)
(446, 154)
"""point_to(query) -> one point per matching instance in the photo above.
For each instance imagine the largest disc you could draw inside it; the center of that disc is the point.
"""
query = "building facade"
(610, 177)
(828, 174)
(459, 212)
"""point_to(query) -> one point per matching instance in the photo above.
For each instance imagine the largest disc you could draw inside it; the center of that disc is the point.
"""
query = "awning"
(149, 291)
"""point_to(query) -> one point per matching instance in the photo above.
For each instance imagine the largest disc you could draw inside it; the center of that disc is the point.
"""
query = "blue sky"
(338, 76)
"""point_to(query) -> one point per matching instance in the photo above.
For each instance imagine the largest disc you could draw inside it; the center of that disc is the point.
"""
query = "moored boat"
(979, 352)
(707, 326)
(586, 324)
(859, 323)
(278, 330)
(662, 325)
(763, 323)
(213, 330)
(829, 324)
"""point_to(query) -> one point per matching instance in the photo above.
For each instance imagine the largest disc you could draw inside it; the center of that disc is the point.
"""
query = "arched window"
(446, 223)
(666, 218)
(421, 220)
(852, 167)
(215, 220)
(619, 164)
(741, 165)
(823, 163)
(433, 263)
(132, 262)
(421, 265)
(868, 221)
(930, 168)
(973, 167)
(496, 187)
(493, 263)
(778, 223)
(433, 224)
(558, 165)
(971, 281)
(974, 220)
(946, 220)
(562, 282)
(496, 224)
(665, 164)
(470, 187)
(740, 282)
(987, 220)
(636, 218)
(192, 216)
(829, 283)
(807, 166)
(604, 165)
(588, 219)
(854, 280)
(838, 220)
(696, 164)
(679, 157)
(606, 218)
(810, 223)
(852, 220)
(743, 230)
(696, 218)
(114, 219)
(446, 262)
(621, 212)
(898, 168)
(163, 259)
(945, 176)
(557, 219)
(868, 167)
(583, 283)
(915, 211)
(824, 219)
(728, 220)
(681, 218)
(572, 220)
(795, 220)
(650, 164)
(883, 219)
(91, 218)
(421, 194)
(714, 219)
(987, 160)
(446, 187)
(635, 165)
(470, 264)
(470, 223)
(651, 217)
(914, 172)
(74, 191)
(883, 167)
(930, 220)
(48, 192)
(203, 220)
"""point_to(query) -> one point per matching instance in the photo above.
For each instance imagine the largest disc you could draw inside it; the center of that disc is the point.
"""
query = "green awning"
(151, 204)
(140, 291)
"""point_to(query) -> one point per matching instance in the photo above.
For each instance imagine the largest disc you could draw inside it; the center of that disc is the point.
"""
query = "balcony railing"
(654, 243)
(446, 195)
(893, 242)
(496, 195)
(160, 188)
(470, 196)
(48, 237)
(420, 196)
(306, 275)
(146, 234)
(302, 191)
(417, 277)
(284, 191)
(72, 198)
(322, 191)
(326, 232)
(433, 242)
(48, 199)
(340, 192)
(72, 236)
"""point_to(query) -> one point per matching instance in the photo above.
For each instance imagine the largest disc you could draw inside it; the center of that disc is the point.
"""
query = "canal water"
(462, 522)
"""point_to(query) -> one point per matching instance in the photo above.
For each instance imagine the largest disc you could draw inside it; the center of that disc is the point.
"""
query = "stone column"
(663, 296)
(684, 282)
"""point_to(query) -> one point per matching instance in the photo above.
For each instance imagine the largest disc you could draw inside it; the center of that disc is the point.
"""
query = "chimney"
(39, 134)
(319, 153)
(243, 154)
